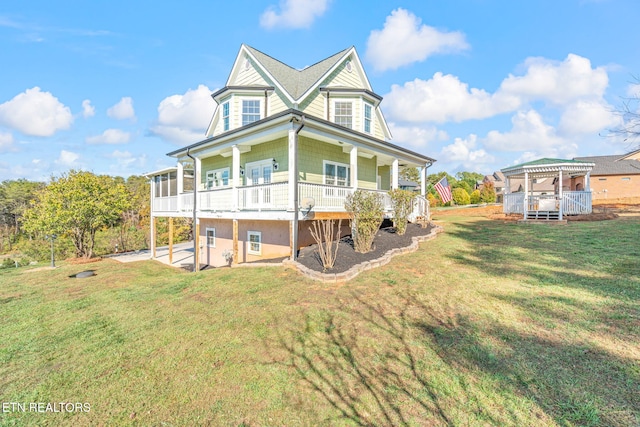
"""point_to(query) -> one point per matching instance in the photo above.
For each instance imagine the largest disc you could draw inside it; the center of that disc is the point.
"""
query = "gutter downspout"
(195, 199)
(294, 249)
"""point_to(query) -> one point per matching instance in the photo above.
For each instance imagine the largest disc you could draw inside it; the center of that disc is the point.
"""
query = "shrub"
(433, 200)
(488, 193)
(367, 212)
(324, 233)
(460, 196)
(475, 197)
(402, 202)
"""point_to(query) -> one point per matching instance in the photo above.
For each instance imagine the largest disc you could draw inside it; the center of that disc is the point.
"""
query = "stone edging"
(364, 266)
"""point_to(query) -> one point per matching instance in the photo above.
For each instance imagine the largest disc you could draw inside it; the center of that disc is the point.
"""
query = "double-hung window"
(217, 178)
(336, 174)
(250, 111)
(255, 242)
(367, 117)
(343, 113)
(225, 116)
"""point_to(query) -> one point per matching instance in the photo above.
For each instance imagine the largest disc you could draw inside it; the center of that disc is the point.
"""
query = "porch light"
(275, 165)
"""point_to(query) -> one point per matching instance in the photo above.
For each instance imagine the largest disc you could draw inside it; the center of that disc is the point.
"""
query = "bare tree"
(629, 112)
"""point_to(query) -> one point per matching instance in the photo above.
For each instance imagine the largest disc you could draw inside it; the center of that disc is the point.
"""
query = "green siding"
(278, 150)
(367, 173)
(212, 163)
(385, 177)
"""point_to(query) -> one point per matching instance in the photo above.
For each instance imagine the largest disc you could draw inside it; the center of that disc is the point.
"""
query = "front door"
(259, 175)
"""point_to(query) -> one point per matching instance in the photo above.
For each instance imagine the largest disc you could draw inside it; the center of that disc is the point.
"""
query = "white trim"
(206, 236)
(334, 108)
(212, 176)
(241, 101)
(371, 130)
(336, 164)
(259, 242)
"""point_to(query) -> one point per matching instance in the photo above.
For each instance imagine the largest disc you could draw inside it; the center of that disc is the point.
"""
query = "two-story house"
(284, 148)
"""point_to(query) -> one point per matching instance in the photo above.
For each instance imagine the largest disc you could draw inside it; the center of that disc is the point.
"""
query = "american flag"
(443, 189)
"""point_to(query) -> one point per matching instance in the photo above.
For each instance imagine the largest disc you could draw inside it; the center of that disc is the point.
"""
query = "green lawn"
(489, 324)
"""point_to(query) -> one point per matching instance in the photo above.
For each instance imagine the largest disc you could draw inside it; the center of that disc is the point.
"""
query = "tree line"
(89, 214)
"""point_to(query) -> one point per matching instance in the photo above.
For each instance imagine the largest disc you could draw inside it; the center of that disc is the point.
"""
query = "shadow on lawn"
(402, 362)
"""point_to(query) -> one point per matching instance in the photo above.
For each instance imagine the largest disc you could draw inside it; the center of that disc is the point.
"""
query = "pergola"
(549, 206)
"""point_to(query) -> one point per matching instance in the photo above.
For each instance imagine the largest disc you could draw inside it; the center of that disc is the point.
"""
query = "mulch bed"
(385, 240)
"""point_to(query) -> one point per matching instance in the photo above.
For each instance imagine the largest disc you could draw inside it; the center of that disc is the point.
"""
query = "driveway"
(182, 255)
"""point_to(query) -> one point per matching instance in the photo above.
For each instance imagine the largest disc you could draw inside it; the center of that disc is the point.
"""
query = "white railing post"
(235, 182)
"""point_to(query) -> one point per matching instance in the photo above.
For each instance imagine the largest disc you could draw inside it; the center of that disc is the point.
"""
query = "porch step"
(547, 215)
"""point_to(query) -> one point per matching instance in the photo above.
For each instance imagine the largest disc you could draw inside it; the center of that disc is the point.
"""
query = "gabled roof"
(618, 164)
(296, 82)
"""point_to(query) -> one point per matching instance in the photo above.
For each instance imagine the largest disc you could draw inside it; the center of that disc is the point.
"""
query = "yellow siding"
(277, 103)
(341, 77)
(314, 105)
(212, 163)
(250, 77)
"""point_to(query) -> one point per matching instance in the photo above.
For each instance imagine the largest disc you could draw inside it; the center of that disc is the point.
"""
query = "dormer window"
(343, 113)
(367, 117)
(225, 116)
(250, 111)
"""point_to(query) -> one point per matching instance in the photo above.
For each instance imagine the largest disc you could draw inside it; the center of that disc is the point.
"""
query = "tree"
(410, 174)
(77, 205)
(367, 212)
(15, 196)
(629, 113)
(471, 178)
(460, 196)
(402, 202)
(488, 193)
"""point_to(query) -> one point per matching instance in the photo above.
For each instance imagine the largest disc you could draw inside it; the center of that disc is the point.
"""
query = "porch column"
(293, 169)
(587, 181)
(423, 180)
(196, 252)
(180, 184)
(235, 173)
(197, 179)
(560, 193)
(526, 194)
(394, 174)
(235, 241)
(354, 167)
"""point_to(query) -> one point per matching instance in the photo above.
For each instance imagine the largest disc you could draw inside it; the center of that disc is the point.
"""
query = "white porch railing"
(273, 196)
(513, 203)
(264, 197)
(165, 204)
(573, 202)
(576, 202)
(215, 200)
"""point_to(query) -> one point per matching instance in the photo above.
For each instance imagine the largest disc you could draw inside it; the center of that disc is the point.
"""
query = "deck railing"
(274, 196)
(573, 202)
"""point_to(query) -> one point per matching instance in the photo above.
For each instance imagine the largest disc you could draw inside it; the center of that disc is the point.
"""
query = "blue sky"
(111, 87)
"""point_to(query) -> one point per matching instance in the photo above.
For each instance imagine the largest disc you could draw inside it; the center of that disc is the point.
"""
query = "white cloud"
(588, 117)
(125, 163)
(293, 14)
(110, 136)
(462, 152)
(403, 40)
(35, 113)
(444, 98)
(122, 110)
(183, 118)
(416, 137)
(68, 159)
(558, 82)
(530, 133)
(88, 110)
(6, 142)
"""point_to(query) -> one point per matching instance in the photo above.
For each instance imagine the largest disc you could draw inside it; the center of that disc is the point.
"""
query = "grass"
(489, 324)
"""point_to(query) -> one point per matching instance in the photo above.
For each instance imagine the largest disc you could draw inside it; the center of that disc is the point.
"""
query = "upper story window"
(367, 117)
(250, 111)
(343, 113)
(225, 116)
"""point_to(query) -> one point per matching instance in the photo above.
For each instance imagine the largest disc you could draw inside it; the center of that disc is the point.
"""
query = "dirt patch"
(78, 261)
(601, 212)
(385, 240)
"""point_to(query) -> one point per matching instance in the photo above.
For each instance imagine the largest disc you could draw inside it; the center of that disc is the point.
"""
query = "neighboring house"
(284, 148)
(538, 186)
(613, 177)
